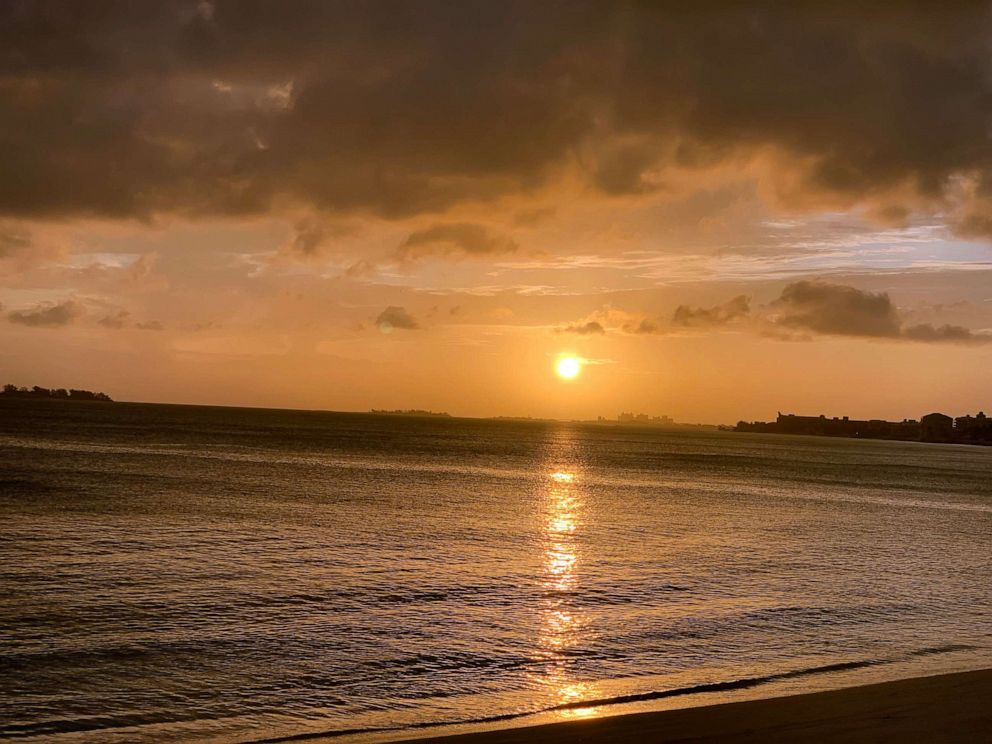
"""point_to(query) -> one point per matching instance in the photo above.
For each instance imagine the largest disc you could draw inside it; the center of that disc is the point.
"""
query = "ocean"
(237, 575)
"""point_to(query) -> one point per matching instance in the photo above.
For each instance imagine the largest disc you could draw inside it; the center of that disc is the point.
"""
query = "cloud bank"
(234, 108)
(51, 315)
(589, 328)
(738, 307)
(840, 310)
(463, 239)
(802, 309)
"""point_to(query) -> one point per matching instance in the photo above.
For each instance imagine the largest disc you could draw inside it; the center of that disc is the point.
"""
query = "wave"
(742, 683)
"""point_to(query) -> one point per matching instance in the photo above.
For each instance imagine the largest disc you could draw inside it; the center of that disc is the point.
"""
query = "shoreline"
(943, 708)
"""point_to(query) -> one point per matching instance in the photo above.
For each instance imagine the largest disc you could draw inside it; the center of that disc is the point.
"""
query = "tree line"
(13, 391)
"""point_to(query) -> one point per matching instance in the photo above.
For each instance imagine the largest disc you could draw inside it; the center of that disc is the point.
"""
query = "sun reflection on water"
(563, 624)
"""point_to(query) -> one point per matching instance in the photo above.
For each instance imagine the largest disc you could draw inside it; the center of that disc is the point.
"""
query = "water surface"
(234, 574)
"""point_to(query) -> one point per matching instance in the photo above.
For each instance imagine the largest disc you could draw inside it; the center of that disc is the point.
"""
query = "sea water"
(224, 574)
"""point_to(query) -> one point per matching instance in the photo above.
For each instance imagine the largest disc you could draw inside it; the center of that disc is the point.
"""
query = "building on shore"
(642, 419)
(937, 427)
(976, 428)
(934, 427)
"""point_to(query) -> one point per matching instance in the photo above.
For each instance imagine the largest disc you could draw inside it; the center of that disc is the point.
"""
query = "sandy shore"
(946, 708)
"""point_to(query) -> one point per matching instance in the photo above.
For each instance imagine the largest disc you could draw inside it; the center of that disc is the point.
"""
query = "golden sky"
(725, 211)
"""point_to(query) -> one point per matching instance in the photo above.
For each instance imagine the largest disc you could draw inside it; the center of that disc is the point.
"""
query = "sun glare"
(568, 367)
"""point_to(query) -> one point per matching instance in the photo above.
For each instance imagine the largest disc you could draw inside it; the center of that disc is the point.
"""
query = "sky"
(724, 210)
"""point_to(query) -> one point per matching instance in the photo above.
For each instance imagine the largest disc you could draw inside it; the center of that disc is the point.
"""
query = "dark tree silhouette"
(12, 391)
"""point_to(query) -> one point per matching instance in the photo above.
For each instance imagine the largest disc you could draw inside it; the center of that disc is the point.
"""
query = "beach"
(943, 708)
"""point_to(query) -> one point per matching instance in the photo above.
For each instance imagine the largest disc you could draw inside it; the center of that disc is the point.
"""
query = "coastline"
(942, 708)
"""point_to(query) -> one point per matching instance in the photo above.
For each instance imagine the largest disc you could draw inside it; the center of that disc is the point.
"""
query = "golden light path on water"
(563, 625)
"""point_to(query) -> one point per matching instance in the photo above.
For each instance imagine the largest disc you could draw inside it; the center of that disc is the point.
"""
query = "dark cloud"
(643, 326)
(454, 238)
(950, 333)
(625, 170)
(123, 109)
(48, 315)
(311, 235)
(738, 307)
(590, 328)
(307, 237)
(115, 320)
(396, 318)
(822, 307)
(841, 310)
(122, 319)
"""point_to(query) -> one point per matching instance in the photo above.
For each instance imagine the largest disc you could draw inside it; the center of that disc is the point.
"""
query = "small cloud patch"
(396, 318)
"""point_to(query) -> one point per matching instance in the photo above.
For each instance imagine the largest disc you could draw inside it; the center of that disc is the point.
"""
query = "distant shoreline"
(935, 428)
(762, 428)
(399, 413)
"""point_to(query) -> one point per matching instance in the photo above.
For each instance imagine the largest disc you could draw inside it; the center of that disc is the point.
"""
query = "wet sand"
(945, 708)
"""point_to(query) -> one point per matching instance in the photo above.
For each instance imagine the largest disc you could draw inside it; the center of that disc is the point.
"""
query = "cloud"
(838, 309)
(589, 328)
(446, 239)
(949, 333)
(311, 235)
(738, 307)
(122, 319)
(307, 237)
(633, 323)
(396, 318)
(841, 310)
(115, 320)
(373, 109)
(609, 318)
(360, 269)
(48, 314)
(626, 169)
(643, 326)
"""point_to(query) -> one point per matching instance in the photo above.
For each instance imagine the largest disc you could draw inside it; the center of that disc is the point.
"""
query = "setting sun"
(569, 367)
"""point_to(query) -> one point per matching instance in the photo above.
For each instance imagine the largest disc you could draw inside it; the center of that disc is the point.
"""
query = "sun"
(568, 367)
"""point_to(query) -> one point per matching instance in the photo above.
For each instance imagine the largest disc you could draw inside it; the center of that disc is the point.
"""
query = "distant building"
(642, 419)
(976, 428)
(837, 427)
(936, 427)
